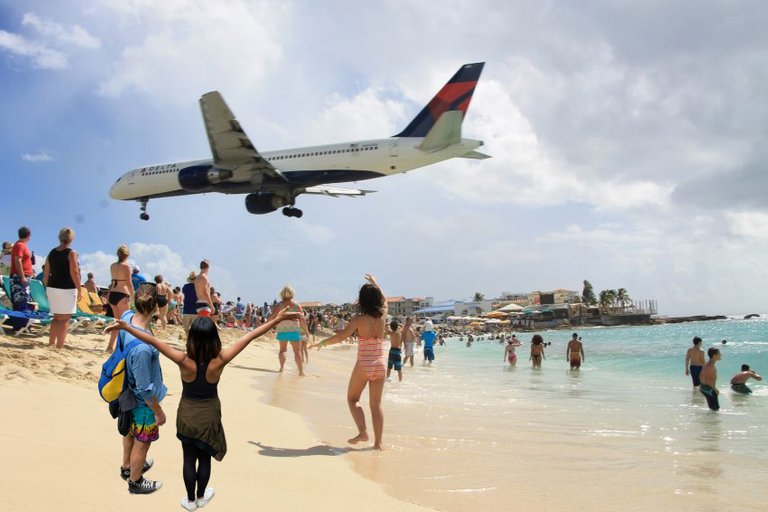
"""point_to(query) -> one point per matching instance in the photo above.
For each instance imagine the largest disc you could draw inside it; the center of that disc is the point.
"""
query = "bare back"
(369, 327)
(121, 278)
(203, 288)
(696, 356)
(709, 374)
(395, 340)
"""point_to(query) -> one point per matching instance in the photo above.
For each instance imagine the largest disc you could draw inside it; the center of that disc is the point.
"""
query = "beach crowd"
(132, 303)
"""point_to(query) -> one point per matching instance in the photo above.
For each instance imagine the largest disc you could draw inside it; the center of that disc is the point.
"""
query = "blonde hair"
(66, 235)
(122, 253)
(287, 293)
(146, 298)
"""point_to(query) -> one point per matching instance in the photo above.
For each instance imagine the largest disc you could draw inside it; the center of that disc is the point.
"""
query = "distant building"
(402, 306)
(313, 306)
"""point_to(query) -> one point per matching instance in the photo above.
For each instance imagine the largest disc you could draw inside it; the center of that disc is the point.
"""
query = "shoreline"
(53, 415)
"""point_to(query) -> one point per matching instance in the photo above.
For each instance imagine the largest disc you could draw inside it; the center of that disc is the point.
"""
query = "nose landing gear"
(143, 215)
(292, 212)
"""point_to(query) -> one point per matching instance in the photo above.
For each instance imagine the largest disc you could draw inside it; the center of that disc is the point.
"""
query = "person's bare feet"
(302, 374)
(359, 438)
(378, 447)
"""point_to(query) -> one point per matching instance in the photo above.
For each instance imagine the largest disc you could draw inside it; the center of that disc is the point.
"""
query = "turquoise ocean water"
(626, 432)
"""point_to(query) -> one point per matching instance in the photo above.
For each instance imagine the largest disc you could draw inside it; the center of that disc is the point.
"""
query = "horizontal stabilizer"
(445, 132)
(476, 155)
(336, 191)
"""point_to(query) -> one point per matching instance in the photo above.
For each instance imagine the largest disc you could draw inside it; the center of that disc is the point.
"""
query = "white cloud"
(751, 225)
(51, 46)
(40, 55)
(59, 34)
(368, 114)
(179, 49)
(41, 156)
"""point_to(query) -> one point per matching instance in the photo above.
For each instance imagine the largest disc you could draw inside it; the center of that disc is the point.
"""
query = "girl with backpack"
(198, 420)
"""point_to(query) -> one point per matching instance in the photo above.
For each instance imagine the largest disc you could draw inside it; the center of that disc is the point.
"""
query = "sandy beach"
(63, 451)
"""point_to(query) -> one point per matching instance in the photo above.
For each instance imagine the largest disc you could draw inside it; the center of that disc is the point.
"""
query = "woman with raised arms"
(370, 368)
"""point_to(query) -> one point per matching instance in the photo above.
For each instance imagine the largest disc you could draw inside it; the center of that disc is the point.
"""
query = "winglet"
(455, 95)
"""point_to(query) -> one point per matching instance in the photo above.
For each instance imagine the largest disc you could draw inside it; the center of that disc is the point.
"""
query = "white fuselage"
(301, 167)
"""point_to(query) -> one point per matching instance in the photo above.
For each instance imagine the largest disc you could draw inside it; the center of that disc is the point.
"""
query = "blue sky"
(628, 142)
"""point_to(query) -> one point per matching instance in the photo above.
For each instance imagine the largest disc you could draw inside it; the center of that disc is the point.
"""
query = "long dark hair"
(370, 301)
(203, 342)
(537, 339)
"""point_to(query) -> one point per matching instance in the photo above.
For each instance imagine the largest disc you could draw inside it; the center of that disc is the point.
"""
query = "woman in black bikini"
(120, 292)
(163, 296)
(537, 350)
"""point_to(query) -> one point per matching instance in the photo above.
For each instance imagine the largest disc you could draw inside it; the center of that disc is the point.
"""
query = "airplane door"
(393, 148)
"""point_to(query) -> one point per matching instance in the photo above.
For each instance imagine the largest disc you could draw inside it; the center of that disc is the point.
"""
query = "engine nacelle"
(200, 178)
(263, 202)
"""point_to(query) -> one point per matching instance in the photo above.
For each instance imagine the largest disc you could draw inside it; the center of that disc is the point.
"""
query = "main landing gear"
(292, 212)
(143, 215)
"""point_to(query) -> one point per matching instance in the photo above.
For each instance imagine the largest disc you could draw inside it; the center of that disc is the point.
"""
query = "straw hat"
(191, 277)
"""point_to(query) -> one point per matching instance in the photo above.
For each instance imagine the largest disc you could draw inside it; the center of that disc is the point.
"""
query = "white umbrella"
(511, 307)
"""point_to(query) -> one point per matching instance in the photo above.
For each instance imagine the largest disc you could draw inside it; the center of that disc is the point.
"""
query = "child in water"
(370, 367)
(198, 422)
(395, 352)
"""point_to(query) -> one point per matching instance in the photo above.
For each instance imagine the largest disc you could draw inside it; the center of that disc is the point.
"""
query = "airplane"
(274, 179)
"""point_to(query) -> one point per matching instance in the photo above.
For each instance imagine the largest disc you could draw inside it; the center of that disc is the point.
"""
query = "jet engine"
(262, 202)
(200, 178)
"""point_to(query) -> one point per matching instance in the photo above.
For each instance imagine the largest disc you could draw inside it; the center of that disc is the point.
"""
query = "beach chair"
(79, 320)
(97, 306)
(86, 313)
(25, 322)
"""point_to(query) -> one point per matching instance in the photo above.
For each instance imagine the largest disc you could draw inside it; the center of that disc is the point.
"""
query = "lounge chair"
(97, 306)
(25, 322)
(79, 320)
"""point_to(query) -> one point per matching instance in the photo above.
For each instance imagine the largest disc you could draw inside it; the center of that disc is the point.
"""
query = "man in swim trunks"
(739, 381)
(395, 356)
(575, 352)
(694, 361)
(408, 337)
(708, 385)
(204, 305)
(189, 302)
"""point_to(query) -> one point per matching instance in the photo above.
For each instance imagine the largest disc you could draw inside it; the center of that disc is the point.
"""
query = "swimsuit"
(370, 358)
(575, 362)
(289, 330)
(711, 395)
(395, 359)
(695, 372)
(741, 388)
(409, 348)
(162, 301)
(202, 308)
(512, 358)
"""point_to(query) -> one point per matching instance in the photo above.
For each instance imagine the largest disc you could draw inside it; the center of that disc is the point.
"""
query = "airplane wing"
(230, 146)
(336, 191)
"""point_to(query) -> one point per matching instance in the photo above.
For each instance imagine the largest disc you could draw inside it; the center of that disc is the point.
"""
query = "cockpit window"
(118, 179)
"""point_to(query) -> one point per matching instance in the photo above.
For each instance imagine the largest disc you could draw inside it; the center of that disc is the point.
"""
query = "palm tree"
(588, 294)
(607, 299)
(623, 298)
(479, 297)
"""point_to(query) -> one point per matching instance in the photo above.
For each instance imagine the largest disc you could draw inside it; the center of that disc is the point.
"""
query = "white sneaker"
(208, 496)
(188, 505)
